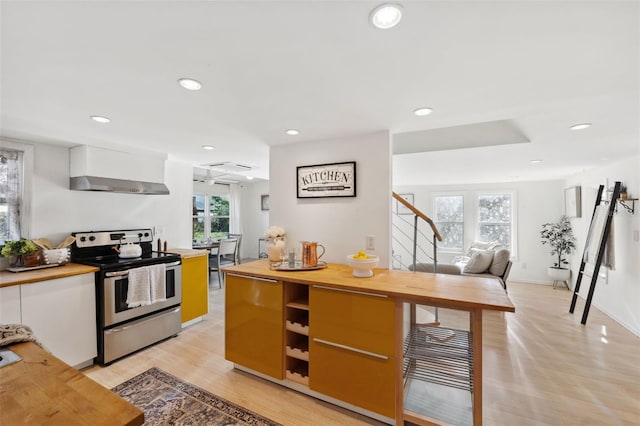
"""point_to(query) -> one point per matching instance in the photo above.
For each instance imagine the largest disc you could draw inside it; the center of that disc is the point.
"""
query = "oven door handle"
(116, 274)
(125, 273)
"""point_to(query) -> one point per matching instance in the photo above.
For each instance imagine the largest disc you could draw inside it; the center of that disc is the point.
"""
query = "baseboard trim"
(531, 282)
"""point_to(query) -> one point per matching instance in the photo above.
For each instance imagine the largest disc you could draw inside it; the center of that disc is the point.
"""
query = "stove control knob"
(139, 234)
(83, 239)
(92, 238)
(146, 234)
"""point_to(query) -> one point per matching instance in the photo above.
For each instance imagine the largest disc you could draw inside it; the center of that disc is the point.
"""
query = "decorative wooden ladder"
(593, 233)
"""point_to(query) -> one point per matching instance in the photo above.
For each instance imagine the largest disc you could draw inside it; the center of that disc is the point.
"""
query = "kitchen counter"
(41, 389)
(188, 253)
(16, 278)
(455, 291)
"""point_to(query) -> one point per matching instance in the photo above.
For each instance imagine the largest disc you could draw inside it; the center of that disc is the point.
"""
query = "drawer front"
(357, 319)
(364, 380)
(254, 329)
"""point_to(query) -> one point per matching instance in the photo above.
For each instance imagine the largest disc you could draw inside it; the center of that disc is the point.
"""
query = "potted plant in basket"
(25, 251)
(560, 237)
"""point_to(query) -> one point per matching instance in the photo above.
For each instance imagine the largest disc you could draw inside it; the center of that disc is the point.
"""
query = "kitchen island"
(342, 339)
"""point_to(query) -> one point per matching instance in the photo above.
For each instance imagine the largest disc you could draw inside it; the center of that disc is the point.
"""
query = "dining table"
(211, 245)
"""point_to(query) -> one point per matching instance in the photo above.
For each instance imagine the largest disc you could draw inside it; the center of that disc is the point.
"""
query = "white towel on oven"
(139, 291)
(157, 276)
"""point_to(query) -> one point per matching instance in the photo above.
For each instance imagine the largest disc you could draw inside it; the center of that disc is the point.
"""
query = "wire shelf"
(439, 355)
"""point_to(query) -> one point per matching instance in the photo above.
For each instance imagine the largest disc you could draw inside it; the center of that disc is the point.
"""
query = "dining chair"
(225, 256)
(239, 238)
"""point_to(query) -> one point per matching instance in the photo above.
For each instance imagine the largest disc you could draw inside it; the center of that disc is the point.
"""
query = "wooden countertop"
(454, 291)
(16, 278)
(187, 253)
(41, 389)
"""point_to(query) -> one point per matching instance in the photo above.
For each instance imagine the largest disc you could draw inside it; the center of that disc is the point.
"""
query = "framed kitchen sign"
(326, 180)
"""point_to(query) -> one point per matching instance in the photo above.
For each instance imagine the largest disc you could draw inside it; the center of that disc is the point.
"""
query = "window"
(213, 220)
(11, 178)
(449, 219)
(465, 217)
(495, 218)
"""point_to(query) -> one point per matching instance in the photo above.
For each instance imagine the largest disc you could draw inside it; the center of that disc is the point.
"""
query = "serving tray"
(32, 268)
(284, 266)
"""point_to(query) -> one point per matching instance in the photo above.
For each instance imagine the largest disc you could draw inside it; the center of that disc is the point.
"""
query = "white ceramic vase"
(559, 274)
(275, 248)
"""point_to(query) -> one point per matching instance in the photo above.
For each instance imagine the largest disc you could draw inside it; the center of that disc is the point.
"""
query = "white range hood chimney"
(99, 169)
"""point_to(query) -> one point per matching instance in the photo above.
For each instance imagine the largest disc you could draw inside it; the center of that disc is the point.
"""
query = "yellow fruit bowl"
(362, 268)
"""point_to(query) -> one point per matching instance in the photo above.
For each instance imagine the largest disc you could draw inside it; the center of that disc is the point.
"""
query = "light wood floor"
(541, 367)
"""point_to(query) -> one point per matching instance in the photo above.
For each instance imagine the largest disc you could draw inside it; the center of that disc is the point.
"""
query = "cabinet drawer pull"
(384, 296)
(349, 348)
(253, 278)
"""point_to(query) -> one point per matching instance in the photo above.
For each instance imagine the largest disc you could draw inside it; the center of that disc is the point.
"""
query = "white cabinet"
(10, 305)
(62, 314)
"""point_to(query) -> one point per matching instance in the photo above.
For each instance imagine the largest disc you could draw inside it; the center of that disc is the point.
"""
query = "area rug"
(167, 400)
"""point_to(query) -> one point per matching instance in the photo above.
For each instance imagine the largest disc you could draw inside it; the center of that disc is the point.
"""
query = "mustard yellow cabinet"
(254, 324)
(195, 286)
(351, 347)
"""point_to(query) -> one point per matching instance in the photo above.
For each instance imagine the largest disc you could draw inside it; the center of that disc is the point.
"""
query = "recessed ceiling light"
(535, 161)
(421, 112)
(190, 84)
(580, 126)
(292, 132)
(386, 16)
(209, 147)
(250, 177)
(100, 119)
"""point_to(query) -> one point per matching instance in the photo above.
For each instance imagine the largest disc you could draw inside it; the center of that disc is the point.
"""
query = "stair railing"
(413, 240)
(417, 216)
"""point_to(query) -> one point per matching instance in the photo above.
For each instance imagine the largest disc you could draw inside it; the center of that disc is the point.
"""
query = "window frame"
(471, 224)
(514, 215)
(26, 202)
(216, 216)
(435, 195)
(207, 215)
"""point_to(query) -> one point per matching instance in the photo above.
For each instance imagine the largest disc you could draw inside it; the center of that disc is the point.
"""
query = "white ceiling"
(320, 67)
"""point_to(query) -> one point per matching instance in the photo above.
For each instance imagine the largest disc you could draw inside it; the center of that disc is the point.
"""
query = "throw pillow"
(500, 260)
(479, 262)
(461, 259)
(481, 245)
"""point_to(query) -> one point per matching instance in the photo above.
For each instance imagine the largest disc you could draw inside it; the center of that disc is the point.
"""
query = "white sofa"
(488, 260)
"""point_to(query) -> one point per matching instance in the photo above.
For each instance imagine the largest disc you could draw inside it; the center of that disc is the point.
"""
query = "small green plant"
(560, 237)
(19, 247)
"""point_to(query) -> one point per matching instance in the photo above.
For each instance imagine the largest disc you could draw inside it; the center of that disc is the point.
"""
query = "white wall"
(340, 224)
(537, 203)
(618, 295)
(57, 211)
(254, 220)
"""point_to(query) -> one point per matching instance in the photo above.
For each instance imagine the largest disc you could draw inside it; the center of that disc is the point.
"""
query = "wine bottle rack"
(297, 333)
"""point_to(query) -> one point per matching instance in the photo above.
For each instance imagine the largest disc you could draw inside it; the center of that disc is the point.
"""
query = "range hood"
(96, 183)
(100, 169)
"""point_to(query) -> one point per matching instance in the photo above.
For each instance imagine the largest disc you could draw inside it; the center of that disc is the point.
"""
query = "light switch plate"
(371, 242)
